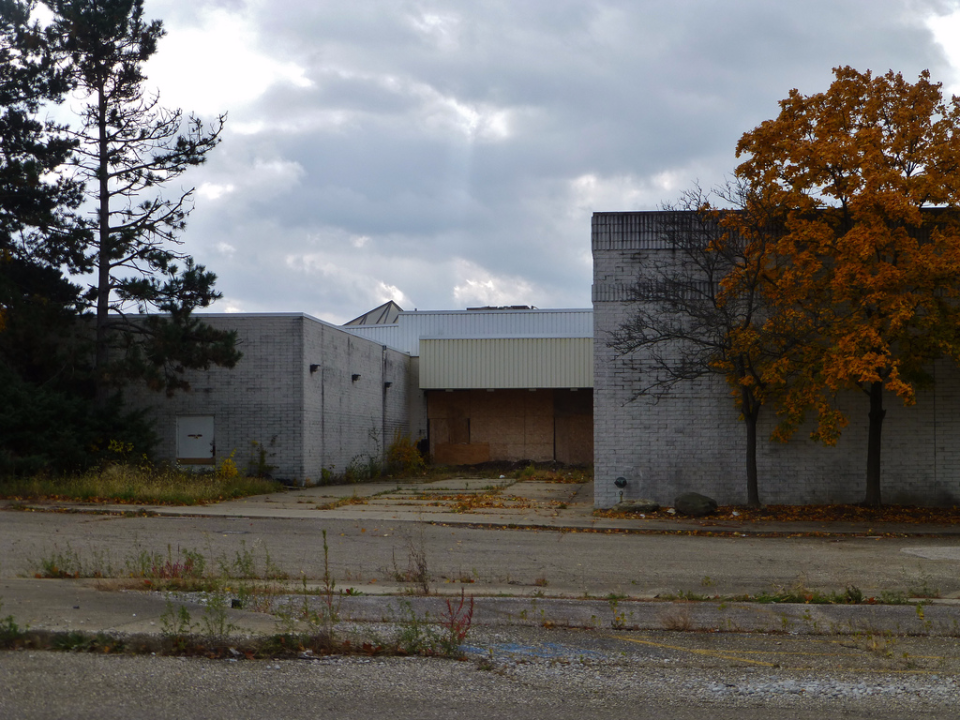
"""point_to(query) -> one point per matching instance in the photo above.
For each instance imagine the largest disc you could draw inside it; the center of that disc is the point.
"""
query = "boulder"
(694, 504)
(640, 506)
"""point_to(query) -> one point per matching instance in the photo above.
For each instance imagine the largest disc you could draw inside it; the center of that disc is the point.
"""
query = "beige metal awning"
(492, 363)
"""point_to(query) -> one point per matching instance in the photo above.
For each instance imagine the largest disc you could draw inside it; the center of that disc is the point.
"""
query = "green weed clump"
(403, 457)
(231, 583)
(442, 636)
(10, 632)
(143, 484)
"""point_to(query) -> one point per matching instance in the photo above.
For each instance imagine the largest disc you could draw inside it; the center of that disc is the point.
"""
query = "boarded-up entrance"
(472, 426)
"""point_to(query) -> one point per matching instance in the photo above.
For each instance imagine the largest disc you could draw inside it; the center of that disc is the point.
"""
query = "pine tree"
(128, 148)
(46, 423)
(36, 202)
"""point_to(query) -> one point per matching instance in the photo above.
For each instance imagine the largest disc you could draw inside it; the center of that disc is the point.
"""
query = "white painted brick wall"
(692, 440)
(307, 421)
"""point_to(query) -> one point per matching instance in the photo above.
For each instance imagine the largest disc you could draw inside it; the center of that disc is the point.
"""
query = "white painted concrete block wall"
(306, 420)
(350, 420)
(692, 440)
(258, 400)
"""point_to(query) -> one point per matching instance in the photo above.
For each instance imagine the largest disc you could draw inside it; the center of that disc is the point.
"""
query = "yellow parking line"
(727, 656)
(709, 653)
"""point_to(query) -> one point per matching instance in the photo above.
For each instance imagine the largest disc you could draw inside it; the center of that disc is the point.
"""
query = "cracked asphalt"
(575, 615)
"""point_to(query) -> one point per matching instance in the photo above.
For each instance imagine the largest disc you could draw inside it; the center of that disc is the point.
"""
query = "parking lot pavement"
(517, 673)
(531, 541)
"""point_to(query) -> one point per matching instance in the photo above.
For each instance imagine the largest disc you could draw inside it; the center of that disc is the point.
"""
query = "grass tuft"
(124, 484)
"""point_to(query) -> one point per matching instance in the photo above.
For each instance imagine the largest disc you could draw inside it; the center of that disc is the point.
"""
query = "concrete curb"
(78, 605)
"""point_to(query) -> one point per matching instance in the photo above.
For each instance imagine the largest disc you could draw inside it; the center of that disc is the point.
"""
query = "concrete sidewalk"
(527, 504)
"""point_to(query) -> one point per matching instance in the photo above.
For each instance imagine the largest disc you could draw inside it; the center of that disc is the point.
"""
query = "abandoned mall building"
(520, 383)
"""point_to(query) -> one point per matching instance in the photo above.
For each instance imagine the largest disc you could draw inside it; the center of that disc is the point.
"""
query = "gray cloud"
(454, 151)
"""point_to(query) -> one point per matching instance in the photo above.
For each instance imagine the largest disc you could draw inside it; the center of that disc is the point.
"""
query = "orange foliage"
(866, 269)
(863, 266)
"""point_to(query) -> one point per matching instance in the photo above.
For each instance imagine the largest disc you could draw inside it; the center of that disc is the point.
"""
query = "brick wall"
(259, 400)
(692, 439)
(306, 420)
(351, 420)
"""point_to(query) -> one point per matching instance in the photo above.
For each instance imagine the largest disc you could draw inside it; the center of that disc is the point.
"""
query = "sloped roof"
(385, 314)
(405, 333)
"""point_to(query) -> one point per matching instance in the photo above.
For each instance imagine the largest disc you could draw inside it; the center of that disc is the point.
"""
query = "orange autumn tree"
(866, 177)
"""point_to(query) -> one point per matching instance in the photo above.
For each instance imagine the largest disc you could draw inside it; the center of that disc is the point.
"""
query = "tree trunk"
(877, 414)
(751, 413)
(103, 257)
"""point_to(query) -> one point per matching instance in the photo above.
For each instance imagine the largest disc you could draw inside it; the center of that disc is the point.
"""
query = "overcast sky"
(450, 154)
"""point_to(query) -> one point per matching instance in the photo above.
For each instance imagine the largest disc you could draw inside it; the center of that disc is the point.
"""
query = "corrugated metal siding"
(493, 363)
(638, 230)
(412, 326)
(388, 335)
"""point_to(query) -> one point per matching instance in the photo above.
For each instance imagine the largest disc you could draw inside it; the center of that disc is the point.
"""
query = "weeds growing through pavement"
(893, 597)
(456, 622)
(415, 635)
(215, 622)
(619, 619)
(417, 571)
(244, 565)
(177, 569)
(924, 591)
(677, 618)
(801, 595)
(442, 636)
(176, 625)
(321, 623)
(330, 602)
(77, 641)
(61, 564)
(10, 632)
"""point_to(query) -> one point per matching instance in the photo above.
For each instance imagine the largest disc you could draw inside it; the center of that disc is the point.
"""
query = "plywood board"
(504, 402)
(438, 430)
(511, 425)
(460, 454)
(459, 430)
(574, 444)
(539, 452)
(486, 404)
(569, 402)
(538, 403)
(497, 430)
(538, 429)
(449, 404)
(436, 404)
